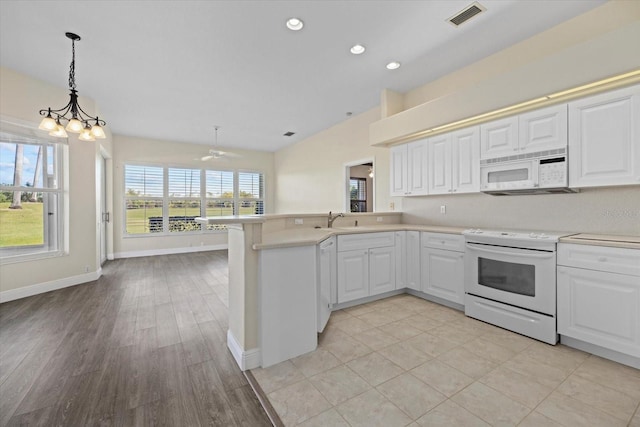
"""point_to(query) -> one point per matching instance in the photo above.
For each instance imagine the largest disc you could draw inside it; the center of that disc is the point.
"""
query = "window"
(358, 194)
(31, 194)
(220, 196)
(144, 199)
(162, 200)
(250, 193)
(184, 199)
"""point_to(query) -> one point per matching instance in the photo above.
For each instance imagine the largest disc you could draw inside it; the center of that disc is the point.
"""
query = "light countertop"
(630, 242)
(305, 236)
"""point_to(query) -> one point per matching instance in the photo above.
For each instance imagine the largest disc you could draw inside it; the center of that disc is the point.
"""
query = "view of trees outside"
(21, 212)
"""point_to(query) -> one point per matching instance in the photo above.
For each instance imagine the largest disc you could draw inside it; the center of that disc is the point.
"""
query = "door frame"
(345, 179)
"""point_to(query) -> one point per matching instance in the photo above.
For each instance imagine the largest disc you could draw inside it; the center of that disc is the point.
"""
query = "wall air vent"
(467, 13)
(289, 133)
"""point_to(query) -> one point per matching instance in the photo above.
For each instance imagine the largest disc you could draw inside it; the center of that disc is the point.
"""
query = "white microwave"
(531, 173)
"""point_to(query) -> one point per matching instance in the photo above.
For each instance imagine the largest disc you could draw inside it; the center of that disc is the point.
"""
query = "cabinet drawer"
(452, 242)
(352, 242)
(601, 258)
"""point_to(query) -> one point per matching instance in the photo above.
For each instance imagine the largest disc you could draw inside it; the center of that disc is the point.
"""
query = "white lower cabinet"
(408, 260)
(366, 265)
(597, 304)
(353, 275)
(443, 266)
(382, 270)
(327, 280)
(412, 268)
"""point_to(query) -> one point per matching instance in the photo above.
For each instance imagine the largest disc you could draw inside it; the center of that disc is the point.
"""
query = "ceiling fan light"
(48, 124)
(74, 126)
(97, 131)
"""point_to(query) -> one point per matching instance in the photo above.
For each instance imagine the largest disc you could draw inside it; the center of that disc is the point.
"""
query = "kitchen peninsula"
(278, 253)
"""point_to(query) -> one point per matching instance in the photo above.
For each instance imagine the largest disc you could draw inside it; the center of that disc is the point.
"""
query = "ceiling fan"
(214, 153)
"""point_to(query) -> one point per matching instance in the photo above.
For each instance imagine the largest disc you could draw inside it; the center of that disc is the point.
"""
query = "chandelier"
(77, 120)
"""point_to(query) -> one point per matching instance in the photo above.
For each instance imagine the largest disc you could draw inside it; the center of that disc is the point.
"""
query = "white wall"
(168, 153)
(21, 97)
(310, 174)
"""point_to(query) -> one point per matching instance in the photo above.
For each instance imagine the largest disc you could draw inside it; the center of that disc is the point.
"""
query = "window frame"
(362, 184)
(55, 217)
(203, 199)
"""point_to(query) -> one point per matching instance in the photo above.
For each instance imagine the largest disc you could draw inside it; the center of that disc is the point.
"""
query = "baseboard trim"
(606, 353)
(170, 251)
(40, 288)
(245, 359)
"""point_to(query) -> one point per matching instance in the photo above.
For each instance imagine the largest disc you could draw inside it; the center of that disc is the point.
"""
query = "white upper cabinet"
(544, 129)
(417, 172)
(465, 160)
(440, 164)
(499, 138)
(409, 169)
(604, 140)
(539, 130)
(398, 177)
(454, 162)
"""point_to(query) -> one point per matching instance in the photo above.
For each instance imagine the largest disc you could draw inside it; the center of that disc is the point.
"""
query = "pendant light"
(77, 120)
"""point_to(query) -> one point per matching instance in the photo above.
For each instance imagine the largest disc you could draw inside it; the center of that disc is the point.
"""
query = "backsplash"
(594, 210)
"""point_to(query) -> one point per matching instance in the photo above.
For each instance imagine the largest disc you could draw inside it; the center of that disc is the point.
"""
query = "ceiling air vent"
(467, 13)
(289, 133)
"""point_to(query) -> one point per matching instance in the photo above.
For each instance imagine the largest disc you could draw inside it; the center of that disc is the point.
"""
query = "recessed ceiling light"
(393, 65)
(294, 24)
(357, 49)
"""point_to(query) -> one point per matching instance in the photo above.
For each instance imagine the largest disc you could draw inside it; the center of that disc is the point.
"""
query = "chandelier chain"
(72, 67)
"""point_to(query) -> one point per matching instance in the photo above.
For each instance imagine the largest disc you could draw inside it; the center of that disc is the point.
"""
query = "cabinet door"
(440, 164)
(412, 265)
(417, 168)
(398, 168)
(443, 274)
(600, 308)
(604, 139)
(326, 281)
(353, 275)
(544, 129)
(401, 259)
(499, 138)
(382, 271)
(465, 162)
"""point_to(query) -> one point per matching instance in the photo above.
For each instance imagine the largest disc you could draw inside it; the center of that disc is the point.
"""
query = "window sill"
(14, 259)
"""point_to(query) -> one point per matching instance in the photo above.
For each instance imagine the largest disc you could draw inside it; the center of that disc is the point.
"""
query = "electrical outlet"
(86, 268)
(298, 221)
(379, 219)
(443, 209)
(392, 206)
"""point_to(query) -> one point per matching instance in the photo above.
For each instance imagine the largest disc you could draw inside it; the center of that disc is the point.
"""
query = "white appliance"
(510, 281)
(531, 173)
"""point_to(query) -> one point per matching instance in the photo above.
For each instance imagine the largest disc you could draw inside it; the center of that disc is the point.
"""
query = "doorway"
(360, 186)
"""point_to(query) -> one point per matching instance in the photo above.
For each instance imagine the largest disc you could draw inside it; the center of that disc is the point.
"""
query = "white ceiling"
(173, 69)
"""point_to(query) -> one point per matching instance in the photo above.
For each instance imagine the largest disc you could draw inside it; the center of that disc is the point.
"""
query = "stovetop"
(512, 237)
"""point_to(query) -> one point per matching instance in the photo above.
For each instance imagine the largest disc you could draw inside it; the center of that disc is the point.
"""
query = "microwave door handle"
(510, 253)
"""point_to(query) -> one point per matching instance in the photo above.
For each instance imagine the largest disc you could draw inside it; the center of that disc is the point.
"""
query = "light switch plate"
(443, 209)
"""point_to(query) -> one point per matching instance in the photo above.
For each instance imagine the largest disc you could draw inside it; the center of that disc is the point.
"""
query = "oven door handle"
(529, 254)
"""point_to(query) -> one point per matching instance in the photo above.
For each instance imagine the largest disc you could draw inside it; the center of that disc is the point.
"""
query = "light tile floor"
(404, 361)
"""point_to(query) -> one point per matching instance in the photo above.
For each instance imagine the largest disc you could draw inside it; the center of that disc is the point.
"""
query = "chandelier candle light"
(78, 121)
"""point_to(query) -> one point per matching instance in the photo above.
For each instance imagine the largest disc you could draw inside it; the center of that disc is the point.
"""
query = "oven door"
(524, 278)
(515, 175)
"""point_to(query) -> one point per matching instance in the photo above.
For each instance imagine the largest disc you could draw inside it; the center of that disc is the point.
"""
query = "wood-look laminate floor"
(143, 345)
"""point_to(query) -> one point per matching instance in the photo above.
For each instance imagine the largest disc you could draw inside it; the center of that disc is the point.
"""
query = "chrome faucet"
(333, 218)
